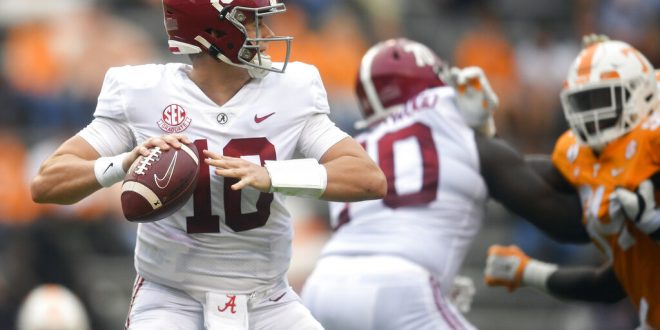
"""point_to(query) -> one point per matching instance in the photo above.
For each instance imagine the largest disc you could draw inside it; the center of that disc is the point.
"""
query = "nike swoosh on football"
(168, 173)
(258, 119)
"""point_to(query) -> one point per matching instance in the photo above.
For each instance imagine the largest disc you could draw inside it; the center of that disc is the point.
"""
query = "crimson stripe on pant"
(440, 303)
(139, 280)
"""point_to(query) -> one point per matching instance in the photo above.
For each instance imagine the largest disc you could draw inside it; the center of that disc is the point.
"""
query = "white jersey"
(436, 196)
(221, 240)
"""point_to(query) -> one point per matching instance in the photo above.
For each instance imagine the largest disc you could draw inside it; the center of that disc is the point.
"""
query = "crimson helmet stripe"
(367, 83)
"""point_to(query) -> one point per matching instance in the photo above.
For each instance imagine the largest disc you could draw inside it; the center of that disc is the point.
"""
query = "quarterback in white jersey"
(391, 262)
(221, 260)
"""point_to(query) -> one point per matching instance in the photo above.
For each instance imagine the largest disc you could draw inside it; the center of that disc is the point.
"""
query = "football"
(158, 185)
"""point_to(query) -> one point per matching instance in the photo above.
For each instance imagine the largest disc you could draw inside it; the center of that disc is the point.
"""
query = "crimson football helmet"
(218, 27)
(391, 73)
(610, 88)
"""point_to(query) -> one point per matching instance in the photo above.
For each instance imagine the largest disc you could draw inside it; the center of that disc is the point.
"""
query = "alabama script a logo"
(231, 304)
(174, 119)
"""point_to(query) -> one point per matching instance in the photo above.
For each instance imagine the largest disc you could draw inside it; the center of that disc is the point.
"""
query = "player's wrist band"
(110, 170)
(536, 274)
(297, 177)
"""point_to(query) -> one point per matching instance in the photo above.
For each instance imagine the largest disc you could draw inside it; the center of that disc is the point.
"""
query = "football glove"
(639, 207)
(510, 267)
(505, 266)
(476, 99)
(462, 292)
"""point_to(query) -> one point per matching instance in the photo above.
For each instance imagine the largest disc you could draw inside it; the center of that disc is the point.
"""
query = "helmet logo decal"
(174, 119)
(423, 55)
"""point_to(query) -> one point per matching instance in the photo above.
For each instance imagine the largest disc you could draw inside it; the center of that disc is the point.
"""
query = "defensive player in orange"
(609, 157)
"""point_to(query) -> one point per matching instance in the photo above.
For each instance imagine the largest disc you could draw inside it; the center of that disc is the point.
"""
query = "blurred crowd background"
(54, 54)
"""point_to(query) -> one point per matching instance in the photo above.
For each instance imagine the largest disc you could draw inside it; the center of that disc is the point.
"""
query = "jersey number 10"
(203, 220)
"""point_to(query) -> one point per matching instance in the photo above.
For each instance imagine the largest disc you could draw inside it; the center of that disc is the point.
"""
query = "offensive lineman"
(391, 262)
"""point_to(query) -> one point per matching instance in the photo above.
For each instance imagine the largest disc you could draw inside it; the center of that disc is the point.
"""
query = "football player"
(610, 155)
(391, 262)
(219, 262)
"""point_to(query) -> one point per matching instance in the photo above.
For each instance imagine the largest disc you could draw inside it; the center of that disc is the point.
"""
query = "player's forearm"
(64, 179)
(560, 216)
(352, 179)
(585, 284)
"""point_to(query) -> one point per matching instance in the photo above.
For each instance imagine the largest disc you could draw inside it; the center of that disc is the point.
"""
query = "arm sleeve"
(520, 189)
(586, 284)
(318, 135)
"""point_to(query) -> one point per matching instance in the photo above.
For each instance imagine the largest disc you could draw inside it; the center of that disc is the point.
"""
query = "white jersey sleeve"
(109, 133)
(108, 136)
(318, 93)
(318, 135)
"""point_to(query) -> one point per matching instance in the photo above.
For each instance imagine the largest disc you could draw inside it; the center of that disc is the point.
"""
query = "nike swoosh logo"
(107, 168)
(278, 298)
(168, 174)
(258, 119)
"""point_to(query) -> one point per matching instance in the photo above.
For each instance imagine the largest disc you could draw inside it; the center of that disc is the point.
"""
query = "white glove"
(639, 206)
(476, 99)
(462, 292)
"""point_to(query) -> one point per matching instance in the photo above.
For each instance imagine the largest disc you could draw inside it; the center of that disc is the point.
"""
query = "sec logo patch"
(174, 119)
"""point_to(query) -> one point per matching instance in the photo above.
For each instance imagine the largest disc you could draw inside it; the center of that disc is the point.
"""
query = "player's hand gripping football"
(505, 266)
(247, 173)
(639, 206)
(164, 142)
(476, 99)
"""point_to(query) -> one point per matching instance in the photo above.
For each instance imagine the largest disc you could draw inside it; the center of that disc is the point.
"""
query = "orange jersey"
(624, 162)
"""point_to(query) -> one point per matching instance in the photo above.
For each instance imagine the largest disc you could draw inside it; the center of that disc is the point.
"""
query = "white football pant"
(157, 307)
(379, 293)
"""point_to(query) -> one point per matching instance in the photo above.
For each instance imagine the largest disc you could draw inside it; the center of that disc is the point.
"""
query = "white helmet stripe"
(217, 5)
(367, 82)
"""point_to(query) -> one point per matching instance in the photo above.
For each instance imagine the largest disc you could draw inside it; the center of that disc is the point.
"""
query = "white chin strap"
(256, 72)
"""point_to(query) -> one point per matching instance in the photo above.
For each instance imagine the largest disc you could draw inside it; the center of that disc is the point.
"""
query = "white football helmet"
(610, 87)
(52, 307)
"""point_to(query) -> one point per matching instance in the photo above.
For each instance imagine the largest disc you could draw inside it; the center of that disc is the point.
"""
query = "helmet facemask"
(603, 112)
(257, 63)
